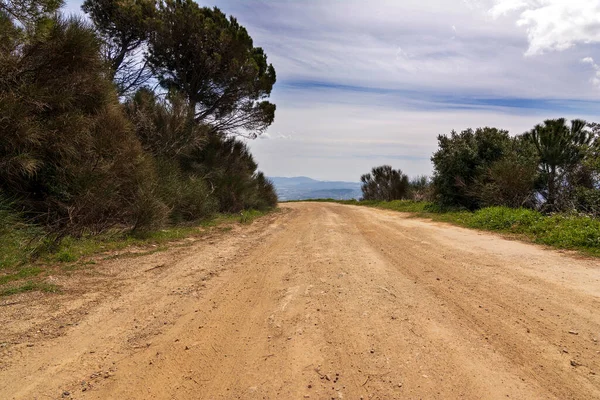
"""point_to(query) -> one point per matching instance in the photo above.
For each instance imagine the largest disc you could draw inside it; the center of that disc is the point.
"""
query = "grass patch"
(563, 231)
(30, 286)
(247, 217)
(73, 249)
(23, 273)
(19, 241)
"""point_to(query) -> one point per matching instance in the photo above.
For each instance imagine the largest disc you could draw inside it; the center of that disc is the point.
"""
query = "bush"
(462, 158)
(384, 183)
(68, 155)
(230, 170)
(188, 197)
(509, 181)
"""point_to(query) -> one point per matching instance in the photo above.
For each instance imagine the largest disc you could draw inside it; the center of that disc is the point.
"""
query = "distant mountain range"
(302, 188)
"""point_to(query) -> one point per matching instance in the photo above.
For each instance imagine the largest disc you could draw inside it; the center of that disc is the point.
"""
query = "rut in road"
(326, 301)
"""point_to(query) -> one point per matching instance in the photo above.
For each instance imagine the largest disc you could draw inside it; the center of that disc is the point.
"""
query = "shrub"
(68, 155)
(461, 159)
(187, 196)
(509, 181)
(385, 184)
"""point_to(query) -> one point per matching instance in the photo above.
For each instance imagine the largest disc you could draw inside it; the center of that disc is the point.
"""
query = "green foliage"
(123, 26)
(559, 147)
(68, 154)
(462, 158)
(420, 188)
(265, 196)
(187, 196)
(384, 183)
(166, 128)
(211, 59)
(231, 172)
(511, 180)
(30, 14)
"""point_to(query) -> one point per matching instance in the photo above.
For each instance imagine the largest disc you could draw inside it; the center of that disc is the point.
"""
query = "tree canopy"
(211, 59)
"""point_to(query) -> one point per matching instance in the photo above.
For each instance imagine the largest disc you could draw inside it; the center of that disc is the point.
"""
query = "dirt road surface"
(318, 301)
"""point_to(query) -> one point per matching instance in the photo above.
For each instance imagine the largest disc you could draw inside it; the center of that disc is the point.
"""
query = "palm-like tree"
(558, 146)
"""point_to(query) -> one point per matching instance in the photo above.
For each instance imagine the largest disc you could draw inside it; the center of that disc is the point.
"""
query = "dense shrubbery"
(552, 168)
(76, 158)
(544, 184)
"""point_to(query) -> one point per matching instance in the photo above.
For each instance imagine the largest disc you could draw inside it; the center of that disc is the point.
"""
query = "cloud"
(596, 78)
(554, 25)
(267, 135)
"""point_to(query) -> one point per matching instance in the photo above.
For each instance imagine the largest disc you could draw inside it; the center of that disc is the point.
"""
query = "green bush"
(68, 154)
(187, 196)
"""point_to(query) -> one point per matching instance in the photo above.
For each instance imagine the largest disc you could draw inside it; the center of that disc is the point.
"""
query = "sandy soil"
(319, 301)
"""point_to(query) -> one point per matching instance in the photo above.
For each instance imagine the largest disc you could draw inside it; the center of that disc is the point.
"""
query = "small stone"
(372, 351)
(565, 351)
(66, 394)
(574, 332)
(575, 363)
(187, 348)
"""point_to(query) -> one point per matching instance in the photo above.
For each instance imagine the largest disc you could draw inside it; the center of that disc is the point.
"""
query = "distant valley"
(302, 188)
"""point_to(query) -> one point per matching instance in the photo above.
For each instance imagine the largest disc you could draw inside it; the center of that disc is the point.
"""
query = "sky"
(361, 84)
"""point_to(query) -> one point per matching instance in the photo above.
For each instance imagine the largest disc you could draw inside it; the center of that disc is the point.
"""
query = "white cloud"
(274, 136)
(596, 78)
(554, 25)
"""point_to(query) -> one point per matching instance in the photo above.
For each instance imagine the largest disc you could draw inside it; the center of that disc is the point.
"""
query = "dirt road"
(319, 301)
